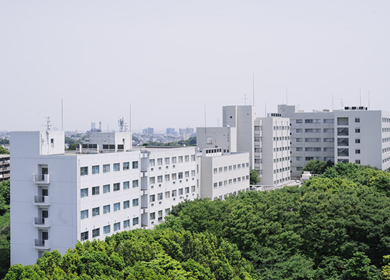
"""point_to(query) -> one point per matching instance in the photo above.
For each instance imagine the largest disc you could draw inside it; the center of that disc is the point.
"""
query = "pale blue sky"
(168, 58)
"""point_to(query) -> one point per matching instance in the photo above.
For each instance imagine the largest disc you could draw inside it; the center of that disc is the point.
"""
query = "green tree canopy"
(317, 166)
(3, 151)
(254, 177)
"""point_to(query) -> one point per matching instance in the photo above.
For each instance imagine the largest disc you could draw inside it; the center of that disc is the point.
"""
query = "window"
(188, 189)
(166, 160)
(220, 184)
(152, 162)
(312, 130)
(106, 229)
(230, 168)
(328, 139)
(116, 167)
(84, 192)
(106, 209)
(299, 130)
(159, 179)
(328, 120)
(95, 211)
(126, 224)
(135, 183)
(95, 169)
(135, 202)
(298, 139)
(357, 130)
(126, 185)
(313, 149)
(117, 206)
(135, 221)
(84, 214)
(357, 161)
(167, 211)
(173, 176)
(192, 157)
(357, 120)
(152, 216)
(152, 180)
(328, 130)
(152, 198)
(187, 158)
(159, 196)
(180, 159)
(215, 170)
(329, 149)
(312, 121)
(215, 185)
(106, 168)
(117, 226)
(167, 178)
(180, 191)
(159, 214)
(95, 190)
(299, 149)
(357, 141)
(135, 164)
(180, 175)
(106, 188)
(126, 204)
(126, 166)
(174, 193)
(117, 187)
(95, 232)
(234, 167)
(193, 172)
(83, 171)
(84, 236)
(159, 161)
(299, 158)
(192, 188)
(357, 151)
(173, 160)
(187, 173)
(167, 194)
(298, 121)
(230, 181)
(312, 139)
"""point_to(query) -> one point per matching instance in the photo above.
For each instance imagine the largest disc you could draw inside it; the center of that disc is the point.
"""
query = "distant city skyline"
(176, 63)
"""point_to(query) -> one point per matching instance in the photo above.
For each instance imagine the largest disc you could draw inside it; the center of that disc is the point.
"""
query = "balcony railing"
(41, 200)
(41, 178)
(41, 222)
(41, 244)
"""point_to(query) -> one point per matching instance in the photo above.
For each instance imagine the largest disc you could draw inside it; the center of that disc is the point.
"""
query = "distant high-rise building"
(149, 130)
(189, 131)
(170, 131)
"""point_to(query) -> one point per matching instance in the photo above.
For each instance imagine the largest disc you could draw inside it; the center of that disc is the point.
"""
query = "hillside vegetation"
(336, 226)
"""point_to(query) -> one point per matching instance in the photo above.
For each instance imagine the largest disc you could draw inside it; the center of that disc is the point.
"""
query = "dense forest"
(4, 227)
(336, 226)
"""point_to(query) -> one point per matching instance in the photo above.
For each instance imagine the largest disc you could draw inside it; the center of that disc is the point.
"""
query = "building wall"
(223, 175)
(211, 137)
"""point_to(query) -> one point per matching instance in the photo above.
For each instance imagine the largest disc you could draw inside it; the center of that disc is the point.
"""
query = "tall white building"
(58, 198)
(354, 134)
(267, 140)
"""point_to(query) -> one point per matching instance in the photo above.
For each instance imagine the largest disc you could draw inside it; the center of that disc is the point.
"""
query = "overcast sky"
(167, 59)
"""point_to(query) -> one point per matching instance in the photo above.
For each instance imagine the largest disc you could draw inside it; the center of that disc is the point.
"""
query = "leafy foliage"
(317, 166)
(4, 227)
(330, 228)
(254, 176)
(143, 254)
(3, 151)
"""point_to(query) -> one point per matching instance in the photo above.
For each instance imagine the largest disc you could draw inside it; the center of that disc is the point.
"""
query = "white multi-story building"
(354, 134)
(58, 198)
(223, 175)
(267, 140)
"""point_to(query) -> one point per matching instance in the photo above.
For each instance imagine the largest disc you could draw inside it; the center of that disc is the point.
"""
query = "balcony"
(41, 244)
(41, 200)
(41, 178)
(41, 222)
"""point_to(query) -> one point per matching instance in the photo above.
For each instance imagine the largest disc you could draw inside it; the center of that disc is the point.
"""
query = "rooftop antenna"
(342, 104)
(121, 124)
(245, 98)
(360, 96)
(48, 125)
(253, 89)
(332, 101)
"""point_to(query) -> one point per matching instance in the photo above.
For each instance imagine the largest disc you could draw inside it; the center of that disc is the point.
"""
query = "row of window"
(385, 150)
(315, 130)
(282, 138)
(231, 167)
(84, 214)
(171, 160)
(152, 216)
(282, 180)
(280, 149)
(384, 140)
(314, 149)
(281, 127)
(107, 229)
(173, 193)
(281, 159)
(228, 194)
(173, 176)
(386, 129)
(314, 158)
(385, 119)
(279, 170)
(386, 160)
(310, 140)
(107, 168)
(107, 188)
(230, 181)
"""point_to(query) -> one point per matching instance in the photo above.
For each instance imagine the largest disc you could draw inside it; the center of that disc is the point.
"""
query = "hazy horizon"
(167, 59)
